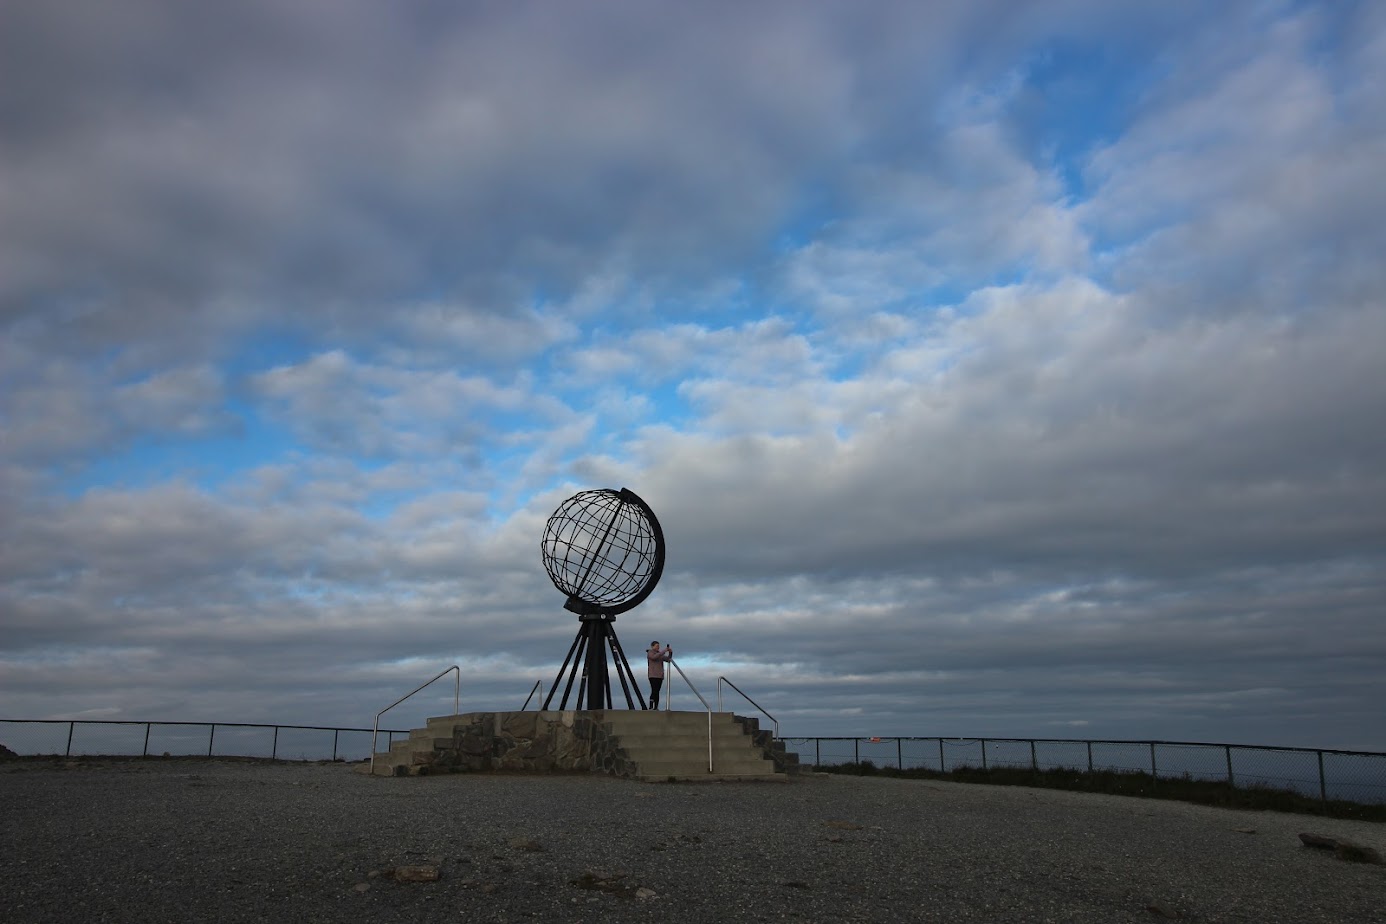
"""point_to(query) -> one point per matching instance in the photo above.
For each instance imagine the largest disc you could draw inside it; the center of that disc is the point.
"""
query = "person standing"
(656, 659)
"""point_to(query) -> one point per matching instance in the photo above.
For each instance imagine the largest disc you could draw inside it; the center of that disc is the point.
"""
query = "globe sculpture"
(604, 549)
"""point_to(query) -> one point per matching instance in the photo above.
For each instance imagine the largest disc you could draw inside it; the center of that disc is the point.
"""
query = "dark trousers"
(655, 684)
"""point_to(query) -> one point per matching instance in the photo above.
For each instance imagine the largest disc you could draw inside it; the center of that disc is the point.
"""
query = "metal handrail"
(669, 696)
(456, 705)
(722, 680)
(538, 685)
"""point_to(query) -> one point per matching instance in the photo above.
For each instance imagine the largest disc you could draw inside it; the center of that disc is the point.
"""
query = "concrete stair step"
(688, 750)
(658, 737)
(661, 744)
(739, 761)
(624, 719)
(662, 770)
(415, 745)
(692, 752)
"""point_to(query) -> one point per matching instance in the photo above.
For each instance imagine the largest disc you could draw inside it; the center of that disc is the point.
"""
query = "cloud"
(988, 367)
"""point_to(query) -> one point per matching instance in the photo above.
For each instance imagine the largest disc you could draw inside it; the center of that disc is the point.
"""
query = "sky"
(994, 369)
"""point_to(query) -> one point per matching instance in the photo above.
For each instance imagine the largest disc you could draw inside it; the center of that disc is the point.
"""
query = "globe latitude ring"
(605, 550)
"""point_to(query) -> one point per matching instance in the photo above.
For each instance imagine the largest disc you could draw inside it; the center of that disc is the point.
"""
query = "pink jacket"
(657, 659)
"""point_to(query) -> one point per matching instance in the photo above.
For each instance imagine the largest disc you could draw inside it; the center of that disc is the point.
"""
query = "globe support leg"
(598, 688)
(595, 636)
(623, 671)
(578, 644)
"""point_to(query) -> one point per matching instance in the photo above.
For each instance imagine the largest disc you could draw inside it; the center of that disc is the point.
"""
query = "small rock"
(524, 843)
(598, 881)
(1245, 830)
(1163, 910)
(643, 894)
(416, 874)
(362, 887)
(842, 825)
(488, 888)
(796, 884)
(1344, 849)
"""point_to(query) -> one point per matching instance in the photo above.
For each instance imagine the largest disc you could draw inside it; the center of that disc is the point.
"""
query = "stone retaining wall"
(535, 742)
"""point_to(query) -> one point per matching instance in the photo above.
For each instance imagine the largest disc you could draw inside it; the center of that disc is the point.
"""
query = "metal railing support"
(212, 728)
(721, 680)
(538, 685)
(668, 697)
(456, 704)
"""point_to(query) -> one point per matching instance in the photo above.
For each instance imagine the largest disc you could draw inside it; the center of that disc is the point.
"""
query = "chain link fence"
(1351, 776)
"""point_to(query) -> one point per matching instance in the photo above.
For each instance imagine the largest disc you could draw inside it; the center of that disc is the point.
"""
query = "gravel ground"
(216, 840)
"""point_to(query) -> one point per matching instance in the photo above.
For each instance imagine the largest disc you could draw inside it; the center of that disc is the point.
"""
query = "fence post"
(210, 738)
(899, 754)
(334, 743)
(145, 752)
(1034, 761)
(1231, 781)
(984, 753)
(942, 767)
(1089, 756)
(817, 752)
(1153, 771)
(1323, 789)
(856, 750)
(68, 753)
(274, 747)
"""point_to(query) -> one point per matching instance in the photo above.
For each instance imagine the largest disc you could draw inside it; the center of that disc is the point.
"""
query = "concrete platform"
(632, 744)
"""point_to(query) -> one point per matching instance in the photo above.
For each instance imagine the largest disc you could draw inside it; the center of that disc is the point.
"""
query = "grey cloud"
(203, 171)
(1149, 503)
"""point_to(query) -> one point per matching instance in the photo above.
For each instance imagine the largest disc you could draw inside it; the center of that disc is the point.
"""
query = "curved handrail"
(538, 685)
(668, 697)
(721, 680)
(456, 705)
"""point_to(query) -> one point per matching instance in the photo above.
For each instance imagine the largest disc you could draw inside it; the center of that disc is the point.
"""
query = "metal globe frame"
(604, 549)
